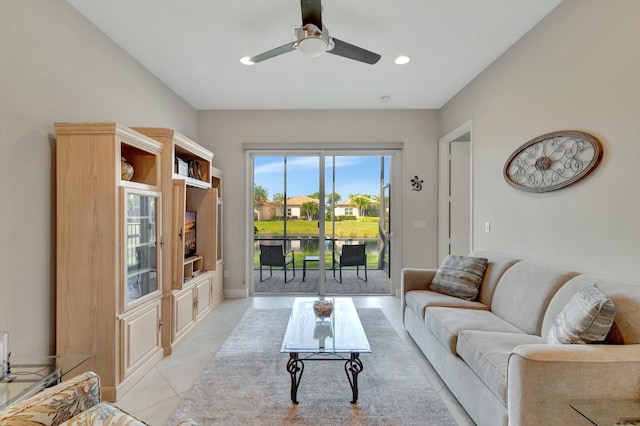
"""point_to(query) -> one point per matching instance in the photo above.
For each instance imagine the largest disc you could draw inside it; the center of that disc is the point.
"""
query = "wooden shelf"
(145, 165)
(194, 183)
(192, 267)
(189, 151)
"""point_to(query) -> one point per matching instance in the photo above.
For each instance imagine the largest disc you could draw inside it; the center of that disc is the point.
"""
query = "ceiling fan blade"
(311, 13)
(356, 53)
(273, 52)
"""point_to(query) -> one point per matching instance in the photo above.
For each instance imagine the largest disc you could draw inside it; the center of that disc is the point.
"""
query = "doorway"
(311, 204)
(455, 230)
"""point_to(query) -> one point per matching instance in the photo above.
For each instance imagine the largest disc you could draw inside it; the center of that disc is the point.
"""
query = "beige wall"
(578, 69)
(55, 66)
(224, 132)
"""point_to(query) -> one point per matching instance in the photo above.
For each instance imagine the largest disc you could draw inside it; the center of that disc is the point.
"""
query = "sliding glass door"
(309, 206)
(286, 214)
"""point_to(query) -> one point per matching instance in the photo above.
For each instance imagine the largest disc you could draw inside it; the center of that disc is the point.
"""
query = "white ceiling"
(195, 46)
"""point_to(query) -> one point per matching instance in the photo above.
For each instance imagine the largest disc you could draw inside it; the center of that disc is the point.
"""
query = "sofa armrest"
(56, 404)
(413, 279)
(543, 380)
(416, 279)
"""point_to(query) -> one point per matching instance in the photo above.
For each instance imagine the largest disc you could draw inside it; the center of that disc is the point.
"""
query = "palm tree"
(278, 200)
(330, 205)
(310, 209)
(361, 202)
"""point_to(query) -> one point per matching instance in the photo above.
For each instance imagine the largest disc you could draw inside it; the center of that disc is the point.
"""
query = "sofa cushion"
(497, 264)
(524, 292)
(459, 276)
(487, 354)
(103, 414)
(419, 300)
(586, 318)
(446, 323)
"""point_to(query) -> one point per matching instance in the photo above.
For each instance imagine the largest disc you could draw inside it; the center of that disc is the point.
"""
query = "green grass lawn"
(309, 228)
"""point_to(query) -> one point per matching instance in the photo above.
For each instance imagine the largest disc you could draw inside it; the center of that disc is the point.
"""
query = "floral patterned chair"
(74, 402)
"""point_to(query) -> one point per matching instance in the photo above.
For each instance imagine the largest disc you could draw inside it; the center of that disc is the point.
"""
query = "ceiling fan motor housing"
(312, 41)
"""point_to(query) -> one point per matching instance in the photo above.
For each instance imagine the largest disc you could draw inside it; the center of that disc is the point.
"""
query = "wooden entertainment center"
(126, 292)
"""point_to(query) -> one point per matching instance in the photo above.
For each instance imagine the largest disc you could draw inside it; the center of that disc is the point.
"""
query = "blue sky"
(354, 174)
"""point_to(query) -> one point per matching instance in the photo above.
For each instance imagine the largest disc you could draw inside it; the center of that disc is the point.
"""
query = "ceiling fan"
(313, 39)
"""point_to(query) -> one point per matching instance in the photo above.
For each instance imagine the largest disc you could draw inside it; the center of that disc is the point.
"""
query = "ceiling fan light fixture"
(312, 46)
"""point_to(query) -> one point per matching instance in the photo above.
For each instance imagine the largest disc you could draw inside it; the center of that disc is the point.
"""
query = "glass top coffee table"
(30, 375)
(340, 337)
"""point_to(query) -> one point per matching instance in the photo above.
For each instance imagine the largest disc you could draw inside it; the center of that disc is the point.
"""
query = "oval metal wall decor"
(553, 161)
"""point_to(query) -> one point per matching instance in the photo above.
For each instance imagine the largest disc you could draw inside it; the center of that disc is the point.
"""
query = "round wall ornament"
(553, 161)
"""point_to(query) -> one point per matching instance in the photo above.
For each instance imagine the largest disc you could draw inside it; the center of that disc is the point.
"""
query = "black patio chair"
(275, 256)
(352, 255)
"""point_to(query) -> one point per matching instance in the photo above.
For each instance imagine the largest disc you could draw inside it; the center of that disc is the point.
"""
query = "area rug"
(246, 383)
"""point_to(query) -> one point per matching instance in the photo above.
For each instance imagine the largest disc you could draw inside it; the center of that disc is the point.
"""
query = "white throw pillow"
(586, 318)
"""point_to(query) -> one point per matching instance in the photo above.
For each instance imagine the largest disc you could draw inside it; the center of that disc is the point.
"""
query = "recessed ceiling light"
(402, 59)
(247, 60)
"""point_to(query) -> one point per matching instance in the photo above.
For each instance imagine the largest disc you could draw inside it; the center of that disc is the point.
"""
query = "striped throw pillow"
(586, 318)
(459, 276)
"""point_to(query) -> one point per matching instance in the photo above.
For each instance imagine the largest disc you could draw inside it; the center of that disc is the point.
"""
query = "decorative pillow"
(586, 318)
(104, 414)
(56, 404)
(459, 276)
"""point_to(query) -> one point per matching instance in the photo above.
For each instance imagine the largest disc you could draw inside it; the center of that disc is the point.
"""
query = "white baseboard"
(236, 293)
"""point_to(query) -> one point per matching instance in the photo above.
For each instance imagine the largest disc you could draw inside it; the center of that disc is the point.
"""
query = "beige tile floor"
(154, 398)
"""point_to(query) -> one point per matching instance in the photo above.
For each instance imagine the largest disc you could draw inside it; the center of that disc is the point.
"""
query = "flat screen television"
(189, 234)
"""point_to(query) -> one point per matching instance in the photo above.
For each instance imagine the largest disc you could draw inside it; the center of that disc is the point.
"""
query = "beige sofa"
(75, 402)
(492, 353)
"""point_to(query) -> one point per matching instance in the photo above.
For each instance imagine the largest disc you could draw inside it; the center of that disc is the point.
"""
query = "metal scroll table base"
(352, 367)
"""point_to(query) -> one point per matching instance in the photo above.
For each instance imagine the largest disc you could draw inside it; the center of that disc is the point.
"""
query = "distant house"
(265, 210)
(294, 205)
(344, 208)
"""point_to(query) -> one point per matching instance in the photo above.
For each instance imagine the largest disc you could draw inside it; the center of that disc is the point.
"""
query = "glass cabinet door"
(142, 255)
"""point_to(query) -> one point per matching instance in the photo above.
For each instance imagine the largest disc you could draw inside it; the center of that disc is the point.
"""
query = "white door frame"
(443, 188)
